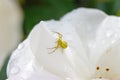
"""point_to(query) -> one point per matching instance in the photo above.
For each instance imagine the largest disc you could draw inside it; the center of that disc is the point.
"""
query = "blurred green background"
(36, 10)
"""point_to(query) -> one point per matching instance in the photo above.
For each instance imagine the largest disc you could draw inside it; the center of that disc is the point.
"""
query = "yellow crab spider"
(60, 43)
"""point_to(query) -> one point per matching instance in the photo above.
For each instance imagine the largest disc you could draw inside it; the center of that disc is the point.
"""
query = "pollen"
(107, 69)
(97, 68)
(100, 77)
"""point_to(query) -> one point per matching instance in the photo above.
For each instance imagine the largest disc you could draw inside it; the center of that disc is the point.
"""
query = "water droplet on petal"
(14, 70)
(21, 46)
(113, 41)
(109, 34)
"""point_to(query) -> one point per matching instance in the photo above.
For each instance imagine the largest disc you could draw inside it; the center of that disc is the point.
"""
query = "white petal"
(22, 66)
(110, 59)
(74, 61)
(37, 75)
(105, 50)
(76, 54)
(70, 35)
(86, 21)
(37, 46)
(21, 61)
(57, 62)
(44, 75)
(10, 27)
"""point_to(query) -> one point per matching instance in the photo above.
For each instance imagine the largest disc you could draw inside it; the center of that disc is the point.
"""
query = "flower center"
(102, 73)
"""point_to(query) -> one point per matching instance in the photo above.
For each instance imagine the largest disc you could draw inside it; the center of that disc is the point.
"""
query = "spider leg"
(52, 48)
(55, 48)
(60, 35)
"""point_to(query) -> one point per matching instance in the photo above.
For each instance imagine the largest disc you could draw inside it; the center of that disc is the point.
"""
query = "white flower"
(93, 51)
(10, 27)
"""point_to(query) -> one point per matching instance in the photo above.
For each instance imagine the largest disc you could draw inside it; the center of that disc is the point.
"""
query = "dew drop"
(113, 41)
(14, 70)
(109, 34)
(21, 46)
